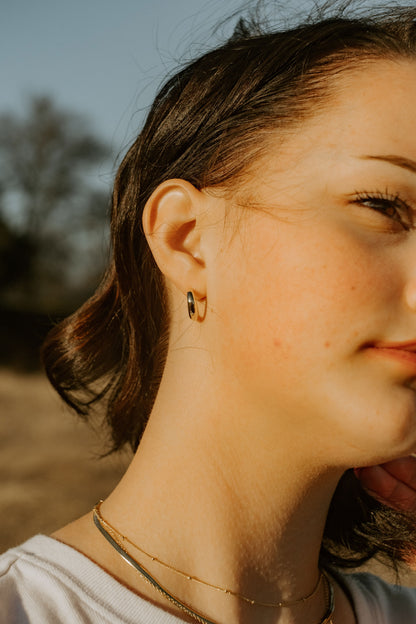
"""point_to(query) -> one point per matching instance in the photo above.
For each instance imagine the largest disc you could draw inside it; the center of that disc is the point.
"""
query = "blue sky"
(101, 57)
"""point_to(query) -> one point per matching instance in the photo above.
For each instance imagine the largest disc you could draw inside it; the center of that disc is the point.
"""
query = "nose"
(410, 293)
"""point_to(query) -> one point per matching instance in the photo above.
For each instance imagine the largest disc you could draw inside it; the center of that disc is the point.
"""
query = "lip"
(404, 352)
(408, 345)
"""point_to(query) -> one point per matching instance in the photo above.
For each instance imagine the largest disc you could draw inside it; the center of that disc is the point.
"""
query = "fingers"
(393, 483)
(403, 469)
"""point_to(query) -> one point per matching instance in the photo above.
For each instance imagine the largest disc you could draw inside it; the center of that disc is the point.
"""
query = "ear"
(172, 225)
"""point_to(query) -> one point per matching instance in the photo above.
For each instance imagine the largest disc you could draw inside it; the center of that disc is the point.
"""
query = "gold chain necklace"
(113, 537)
(274, 605)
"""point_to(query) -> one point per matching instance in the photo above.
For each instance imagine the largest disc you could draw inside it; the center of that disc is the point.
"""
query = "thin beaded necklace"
(114, 538)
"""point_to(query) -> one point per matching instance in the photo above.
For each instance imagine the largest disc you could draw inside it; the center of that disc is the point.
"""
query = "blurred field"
(50, 472)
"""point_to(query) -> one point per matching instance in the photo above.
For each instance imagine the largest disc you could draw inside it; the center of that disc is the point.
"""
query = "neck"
(216, 508)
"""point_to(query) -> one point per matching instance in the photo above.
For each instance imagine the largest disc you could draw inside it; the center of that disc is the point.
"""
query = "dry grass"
(50, 472)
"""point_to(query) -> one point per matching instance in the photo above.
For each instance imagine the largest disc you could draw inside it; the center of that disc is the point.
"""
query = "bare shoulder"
(81, 535)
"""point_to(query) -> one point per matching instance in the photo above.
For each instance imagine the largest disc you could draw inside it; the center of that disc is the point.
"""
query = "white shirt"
(46, 582)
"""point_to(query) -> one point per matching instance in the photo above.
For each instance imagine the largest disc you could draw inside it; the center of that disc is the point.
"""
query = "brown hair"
(208, 123)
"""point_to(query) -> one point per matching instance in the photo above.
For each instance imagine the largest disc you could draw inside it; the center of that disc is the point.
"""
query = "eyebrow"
(398, 161)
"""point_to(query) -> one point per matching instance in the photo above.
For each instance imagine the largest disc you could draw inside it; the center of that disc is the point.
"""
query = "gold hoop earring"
(192, 306)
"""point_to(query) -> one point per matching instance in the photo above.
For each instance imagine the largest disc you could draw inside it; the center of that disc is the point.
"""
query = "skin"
(393, 483)
(275, 391)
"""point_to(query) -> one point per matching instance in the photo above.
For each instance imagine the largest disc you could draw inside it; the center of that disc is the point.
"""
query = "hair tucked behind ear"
(207, 125)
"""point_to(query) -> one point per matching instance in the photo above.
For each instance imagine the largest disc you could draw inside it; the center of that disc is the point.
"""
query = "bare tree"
(50, 203)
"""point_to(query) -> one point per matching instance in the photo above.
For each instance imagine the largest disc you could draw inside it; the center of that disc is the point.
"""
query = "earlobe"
(171, 223)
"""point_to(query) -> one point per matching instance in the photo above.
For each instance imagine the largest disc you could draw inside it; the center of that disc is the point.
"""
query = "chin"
(390, 435)
(393, 443)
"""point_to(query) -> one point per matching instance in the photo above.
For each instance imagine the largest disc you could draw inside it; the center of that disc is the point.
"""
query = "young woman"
(256, 333)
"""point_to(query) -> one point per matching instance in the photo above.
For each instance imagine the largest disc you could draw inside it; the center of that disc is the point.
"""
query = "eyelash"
(394, 207)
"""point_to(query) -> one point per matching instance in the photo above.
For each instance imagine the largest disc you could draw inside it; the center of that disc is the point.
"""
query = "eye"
(391, 206)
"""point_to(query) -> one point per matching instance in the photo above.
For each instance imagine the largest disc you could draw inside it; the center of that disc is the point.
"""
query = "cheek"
(300, 300)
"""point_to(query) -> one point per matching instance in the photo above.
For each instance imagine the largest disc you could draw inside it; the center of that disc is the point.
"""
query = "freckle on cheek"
(327, 344)
(277, 342)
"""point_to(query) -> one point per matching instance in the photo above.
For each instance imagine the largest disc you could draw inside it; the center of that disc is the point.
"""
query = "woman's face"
(321, 274)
